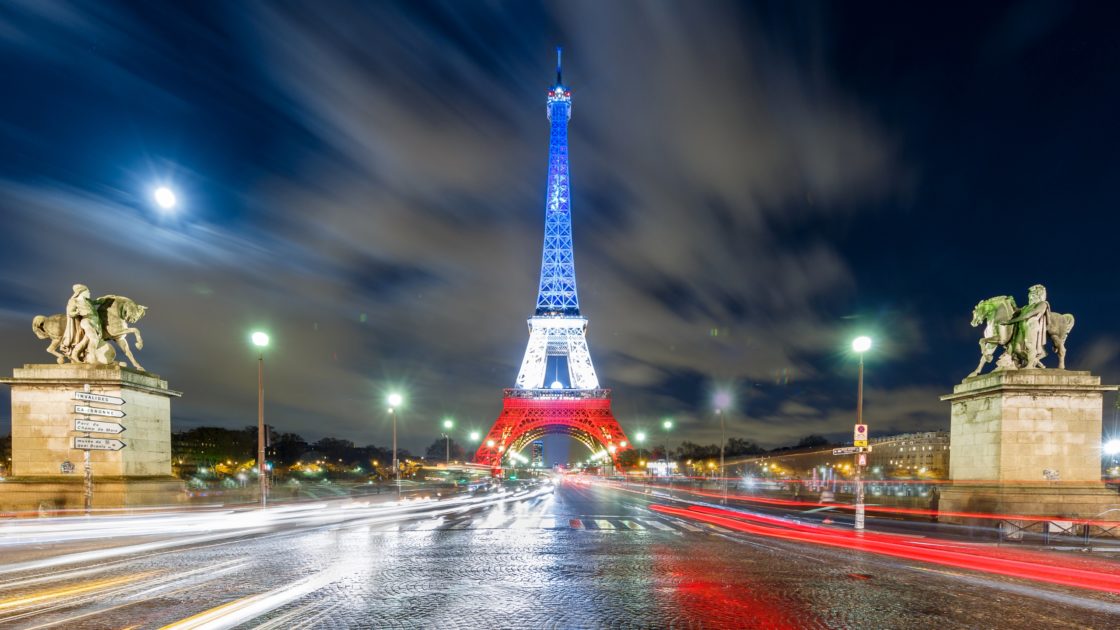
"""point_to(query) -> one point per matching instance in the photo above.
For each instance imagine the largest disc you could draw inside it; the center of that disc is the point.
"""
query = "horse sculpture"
(996, 314)
(117, 315)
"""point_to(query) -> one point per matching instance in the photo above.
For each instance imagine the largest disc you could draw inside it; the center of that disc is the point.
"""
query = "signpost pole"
(859, 479)
(89, 482)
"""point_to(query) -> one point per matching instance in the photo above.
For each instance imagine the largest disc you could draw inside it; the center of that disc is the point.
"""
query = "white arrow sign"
(97, 411)
(98, 398)
(96, 426)
(98, 444)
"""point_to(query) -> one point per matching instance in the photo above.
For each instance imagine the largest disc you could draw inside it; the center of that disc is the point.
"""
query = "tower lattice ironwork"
(572, 401)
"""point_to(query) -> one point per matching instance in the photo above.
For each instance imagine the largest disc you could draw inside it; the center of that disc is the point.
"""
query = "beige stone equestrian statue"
(82, 334)
(1021, 332)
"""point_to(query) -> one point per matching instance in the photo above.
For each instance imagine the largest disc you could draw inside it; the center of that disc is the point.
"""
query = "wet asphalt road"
(582, 556)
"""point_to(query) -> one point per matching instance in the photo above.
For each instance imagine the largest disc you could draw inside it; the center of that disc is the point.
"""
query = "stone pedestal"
(1028, 443)
(43, 416)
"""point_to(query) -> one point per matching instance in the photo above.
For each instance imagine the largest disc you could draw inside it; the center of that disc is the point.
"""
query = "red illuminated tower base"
(528, 415)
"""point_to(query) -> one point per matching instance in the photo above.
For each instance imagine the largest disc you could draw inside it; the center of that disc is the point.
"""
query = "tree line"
(214, 444)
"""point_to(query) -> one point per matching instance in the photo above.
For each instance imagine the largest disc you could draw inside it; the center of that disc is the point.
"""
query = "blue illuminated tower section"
(557, 294)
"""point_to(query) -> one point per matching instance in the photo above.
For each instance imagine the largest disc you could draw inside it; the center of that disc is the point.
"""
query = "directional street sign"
(97, 426)
(851, 450)
(97, 411)
(98, 444)
(98, 398)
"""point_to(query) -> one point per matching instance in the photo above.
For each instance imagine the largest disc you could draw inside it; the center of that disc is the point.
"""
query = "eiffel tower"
(557, 390)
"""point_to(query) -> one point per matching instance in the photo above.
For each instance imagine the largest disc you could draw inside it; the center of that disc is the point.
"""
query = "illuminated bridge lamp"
(260, 340)
(395, 400)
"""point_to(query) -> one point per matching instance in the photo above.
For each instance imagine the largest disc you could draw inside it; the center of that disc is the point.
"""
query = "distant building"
(912, 454)
(536, 457)
(908, 455)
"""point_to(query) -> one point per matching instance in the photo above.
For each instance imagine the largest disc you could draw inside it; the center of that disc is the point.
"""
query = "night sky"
(753, 186)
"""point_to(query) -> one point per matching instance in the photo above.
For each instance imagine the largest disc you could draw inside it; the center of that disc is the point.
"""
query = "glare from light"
(722, 399)
(667, 425)
(1112, 447)
(475, 436)
(640, 436)
(557, 385)
(260, 339)
(490, 443)
(165, 197)
(448, 423)
(861, 344)
(395, 400)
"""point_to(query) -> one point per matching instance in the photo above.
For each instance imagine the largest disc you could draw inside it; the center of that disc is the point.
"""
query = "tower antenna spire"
(559, 77)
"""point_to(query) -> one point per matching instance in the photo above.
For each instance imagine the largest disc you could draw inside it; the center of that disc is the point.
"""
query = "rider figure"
(83, 325)
(1030, 328)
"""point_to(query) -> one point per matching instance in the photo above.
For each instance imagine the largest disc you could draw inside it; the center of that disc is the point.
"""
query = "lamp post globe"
(861, 344)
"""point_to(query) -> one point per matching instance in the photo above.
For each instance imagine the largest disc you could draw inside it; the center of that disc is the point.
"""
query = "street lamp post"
(395, 400)
(722, 443)
(640, 438)
(260, 340)
(448, 423)
(860, 345)
(668, 426)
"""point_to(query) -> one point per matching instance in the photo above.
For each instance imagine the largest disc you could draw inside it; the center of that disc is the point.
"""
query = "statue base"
(45, 402)
(1027, 443)
(1038, 503)
(38, 494)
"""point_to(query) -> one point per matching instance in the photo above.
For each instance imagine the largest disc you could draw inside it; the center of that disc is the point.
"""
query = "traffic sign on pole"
(98, 398)
(98, 444)
(98, 411)
(860, 435)
(86, 425)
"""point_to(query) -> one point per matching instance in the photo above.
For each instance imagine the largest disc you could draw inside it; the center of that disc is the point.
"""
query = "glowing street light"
(260, 340)
(475, 436)
(395, 400)
(164, 197)
(1111, 447)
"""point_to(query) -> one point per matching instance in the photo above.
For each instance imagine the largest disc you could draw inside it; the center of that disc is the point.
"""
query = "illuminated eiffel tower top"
(557, 295)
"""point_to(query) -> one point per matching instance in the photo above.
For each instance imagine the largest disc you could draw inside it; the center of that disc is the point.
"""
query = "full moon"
(165, 197)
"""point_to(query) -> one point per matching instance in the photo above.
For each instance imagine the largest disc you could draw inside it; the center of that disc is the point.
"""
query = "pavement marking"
(604, 524)
(632, 525)
(691, 528)
(659, 525)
